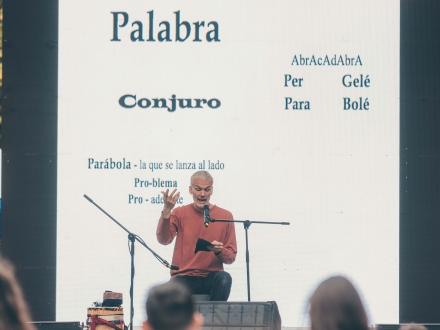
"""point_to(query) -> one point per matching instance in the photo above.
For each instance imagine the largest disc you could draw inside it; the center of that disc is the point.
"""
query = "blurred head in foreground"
(413, 326)
(336, 305)
(14, 313)
(171, 307)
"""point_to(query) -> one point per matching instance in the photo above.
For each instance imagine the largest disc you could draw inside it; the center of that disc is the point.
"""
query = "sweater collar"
(197, 210)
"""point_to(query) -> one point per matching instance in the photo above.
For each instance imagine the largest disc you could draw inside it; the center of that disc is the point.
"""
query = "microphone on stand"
(206, 215)
(172, 267)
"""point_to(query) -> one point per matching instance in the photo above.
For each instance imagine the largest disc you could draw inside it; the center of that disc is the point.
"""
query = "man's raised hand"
(169, 202)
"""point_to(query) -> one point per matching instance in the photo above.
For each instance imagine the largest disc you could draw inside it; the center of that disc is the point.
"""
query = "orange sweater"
(187, 223)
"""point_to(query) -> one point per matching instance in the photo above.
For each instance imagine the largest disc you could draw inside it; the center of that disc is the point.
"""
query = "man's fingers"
(176, 198)
(215, 248)
(171, 198)
(172, 193)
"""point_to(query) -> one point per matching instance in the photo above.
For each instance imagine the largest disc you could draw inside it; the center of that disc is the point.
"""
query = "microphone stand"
(132, 238)
(247, 224)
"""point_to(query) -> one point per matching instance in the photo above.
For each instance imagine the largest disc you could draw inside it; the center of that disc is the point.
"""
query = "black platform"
(220, 315)
(57, 325)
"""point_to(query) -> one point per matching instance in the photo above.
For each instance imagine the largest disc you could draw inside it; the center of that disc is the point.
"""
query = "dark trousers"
(216, 284)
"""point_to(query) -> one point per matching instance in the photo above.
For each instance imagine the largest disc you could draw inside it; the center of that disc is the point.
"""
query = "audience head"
(14, 313)
(336, 305)
(170, 307)
(413, 326)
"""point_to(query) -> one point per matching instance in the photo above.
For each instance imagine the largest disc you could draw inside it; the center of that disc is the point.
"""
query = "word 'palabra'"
(182, 31)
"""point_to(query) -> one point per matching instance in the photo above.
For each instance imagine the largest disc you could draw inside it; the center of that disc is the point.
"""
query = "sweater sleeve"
(166, 230)
(229, 251)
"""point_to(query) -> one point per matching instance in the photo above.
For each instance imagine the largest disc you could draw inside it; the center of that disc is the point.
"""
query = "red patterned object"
(105, 318)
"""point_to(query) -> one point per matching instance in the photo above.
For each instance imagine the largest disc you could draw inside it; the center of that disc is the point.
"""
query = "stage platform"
(283, 328)
(70, 325)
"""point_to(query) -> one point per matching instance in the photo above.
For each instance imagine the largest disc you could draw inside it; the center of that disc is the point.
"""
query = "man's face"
(201, 190)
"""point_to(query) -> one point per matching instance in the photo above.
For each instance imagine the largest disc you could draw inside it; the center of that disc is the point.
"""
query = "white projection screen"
(295, 113)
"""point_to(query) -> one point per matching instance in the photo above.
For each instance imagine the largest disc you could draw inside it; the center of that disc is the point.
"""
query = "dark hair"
(336, 305)
(170, 307)
(14, 313)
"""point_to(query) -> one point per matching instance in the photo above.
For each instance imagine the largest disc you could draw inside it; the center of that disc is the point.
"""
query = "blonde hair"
(413, 326)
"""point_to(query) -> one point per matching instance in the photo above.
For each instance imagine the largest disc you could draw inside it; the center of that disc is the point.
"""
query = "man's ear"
(191, 190)
(146, 326)
(197, 321)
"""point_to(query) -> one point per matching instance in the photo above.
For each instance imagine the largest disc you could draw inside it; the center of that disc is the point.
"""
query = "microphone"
(206, 215)
(172, 267)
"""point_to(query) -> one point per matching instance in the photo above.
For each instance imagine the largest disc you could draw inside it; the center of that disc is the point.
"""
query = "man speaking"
(202, 272)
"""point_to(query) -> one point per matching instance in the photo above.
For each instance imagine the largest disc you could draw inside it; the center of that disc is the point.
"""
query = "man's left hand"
(216, 247)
